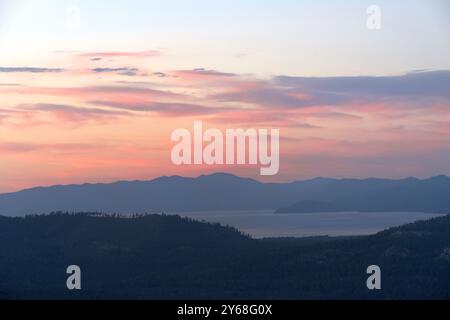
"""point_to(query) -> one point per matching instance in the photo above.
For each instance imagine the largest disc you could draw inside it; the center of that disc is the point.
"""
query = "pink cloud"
(166, 109)
(32, 115)
(115, 54)
(263, 117)
(23, 147)
(67, 113)
(200, 73)
(201, 78)
(94, 92)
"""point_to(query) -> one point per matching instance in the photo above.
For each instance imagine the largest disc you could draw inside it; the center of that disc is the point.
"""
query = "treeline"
(165, 256)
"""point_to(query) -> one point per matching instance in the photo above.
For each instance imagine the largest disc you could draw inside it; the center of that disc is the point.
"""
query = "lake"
(264, 223)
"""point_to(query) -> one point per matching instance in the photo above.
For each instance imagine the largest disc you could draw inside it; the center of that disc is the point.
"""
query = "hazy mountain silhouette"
(222, 191)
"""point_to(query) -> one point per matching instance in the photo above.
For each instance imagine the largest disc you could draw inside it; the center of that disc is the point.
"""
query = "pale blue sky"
(257, 37)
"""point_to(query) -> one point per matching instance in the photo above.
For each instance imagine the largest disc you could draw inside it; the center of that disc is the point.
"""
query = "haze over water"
(264, 223)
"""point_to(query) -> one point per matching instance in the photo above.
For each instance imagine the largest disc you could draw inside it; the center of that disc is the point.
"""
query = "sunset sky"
(90, 91)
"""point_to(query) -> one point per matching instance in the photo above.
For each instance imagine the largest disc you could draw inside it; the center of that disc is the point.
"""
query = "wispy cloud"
(160, 74)
(262, 95)
(93, 92)
(168, 109)
(419, 83)
(22, 147)
(4, 114)
(200, 75)
(201, 72)
(32, 115)
(263, 117)
(121, 71)
(115, 54)
(73, 113)
(334, 115)
(416, 89)
(29, 70)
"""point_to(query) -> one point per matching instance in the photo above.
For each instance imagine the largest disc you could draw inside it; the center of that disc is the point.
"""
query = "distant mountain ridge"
(222, 191)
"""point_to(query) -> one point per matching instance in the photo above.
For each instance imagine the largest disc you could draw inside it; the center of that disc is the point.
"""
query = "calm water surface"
(264, 223)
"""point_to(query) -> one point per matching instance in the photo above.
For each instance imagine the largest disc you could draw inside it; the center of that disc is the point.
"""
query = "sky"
(90, 91)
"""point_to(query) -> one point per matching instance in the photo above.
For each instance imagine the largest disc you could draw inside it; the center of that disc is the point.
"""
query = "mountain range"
(221, 191)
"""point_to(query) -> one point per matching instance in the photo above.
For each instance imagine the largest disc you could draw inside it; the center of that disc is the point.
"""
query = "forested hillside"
(159, 256)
